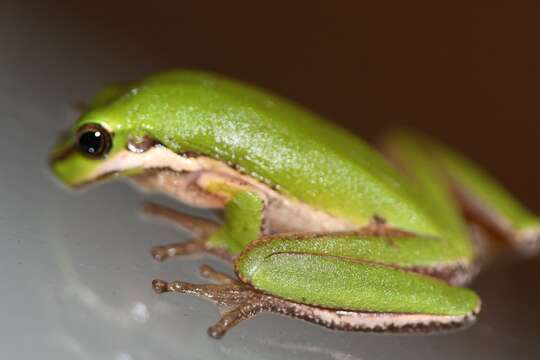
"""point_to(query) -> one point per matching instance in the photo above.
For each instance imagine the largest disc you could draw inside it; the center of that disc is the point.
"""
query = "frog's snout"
(69, 166)
(59, 155)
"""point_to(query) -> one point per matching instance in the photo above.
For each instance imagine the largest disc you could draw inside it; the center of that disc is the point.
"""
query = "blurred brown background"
(468, 73)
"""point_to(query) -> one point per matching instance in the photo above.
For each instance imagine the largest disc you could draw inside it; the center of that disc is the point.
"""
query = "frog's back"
(278, 142)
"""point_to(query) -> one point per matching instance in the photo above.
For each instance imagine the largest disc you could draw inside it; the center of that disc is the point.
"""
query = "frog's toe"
(159, 286)
(199, 227)
(242, 312)
(161, 253)
(210, 273)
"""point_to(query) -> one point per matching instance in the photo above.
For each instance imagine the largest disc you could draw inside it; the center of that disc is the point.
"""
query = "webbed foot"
(245, 301)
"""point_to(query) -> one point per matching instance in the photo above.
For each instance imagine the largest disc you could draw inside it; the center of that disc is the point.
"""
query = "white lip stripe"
(155, 157)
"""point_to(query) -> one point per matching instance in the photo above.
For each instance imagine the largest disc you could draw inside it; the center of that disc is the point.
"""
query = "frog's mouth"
(76, 170)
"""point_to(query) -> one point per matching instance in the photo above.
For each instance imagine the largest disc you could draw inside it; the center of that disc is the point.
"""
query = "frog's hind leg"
(200, 228)
(243, 302)
(485, 202)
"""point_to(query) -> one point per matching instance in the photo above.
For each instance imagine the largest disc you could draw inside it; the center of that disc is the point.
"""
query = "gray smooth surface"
(75, 269)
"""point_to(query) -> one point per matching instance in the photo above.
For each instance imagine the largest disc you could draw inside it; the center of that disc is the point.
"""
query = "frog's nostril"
(140, 144)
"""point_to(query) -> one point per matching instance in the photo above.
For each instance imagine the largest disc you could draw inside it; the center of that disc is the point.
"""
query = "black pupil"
(91, 142)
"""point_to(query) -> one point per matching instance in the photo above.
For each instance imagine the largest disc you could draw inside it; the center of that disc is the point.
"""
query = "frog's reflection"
(309, 349)
(94, 321)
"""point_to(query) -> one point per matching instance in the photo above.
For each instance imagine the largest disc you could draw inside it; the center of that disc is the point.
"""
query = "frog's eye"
(93, 140)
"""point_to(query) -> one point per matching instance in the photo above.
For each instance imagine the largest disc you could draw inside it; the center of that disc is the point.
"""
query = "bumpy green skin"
(267, 137)
(354, 272)
(315, 162)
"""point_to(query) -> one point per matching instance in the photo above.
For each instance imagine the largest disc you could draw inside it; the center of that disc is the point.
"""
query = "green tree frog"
(319, 226)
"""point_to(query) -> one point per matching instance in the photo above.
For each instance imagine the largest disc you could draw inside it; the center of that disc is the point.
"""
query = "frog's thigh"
(344, 284)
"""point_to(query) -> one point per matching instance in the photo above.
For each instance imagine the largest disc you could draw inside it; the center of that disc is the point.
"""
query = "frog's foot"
(244, 301)
(200, 228)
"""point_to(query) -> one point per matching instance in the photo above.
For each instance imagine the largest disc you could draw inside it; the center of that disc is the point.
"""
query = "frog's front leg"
(201, 229)
(347, 281)
(243, 221)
